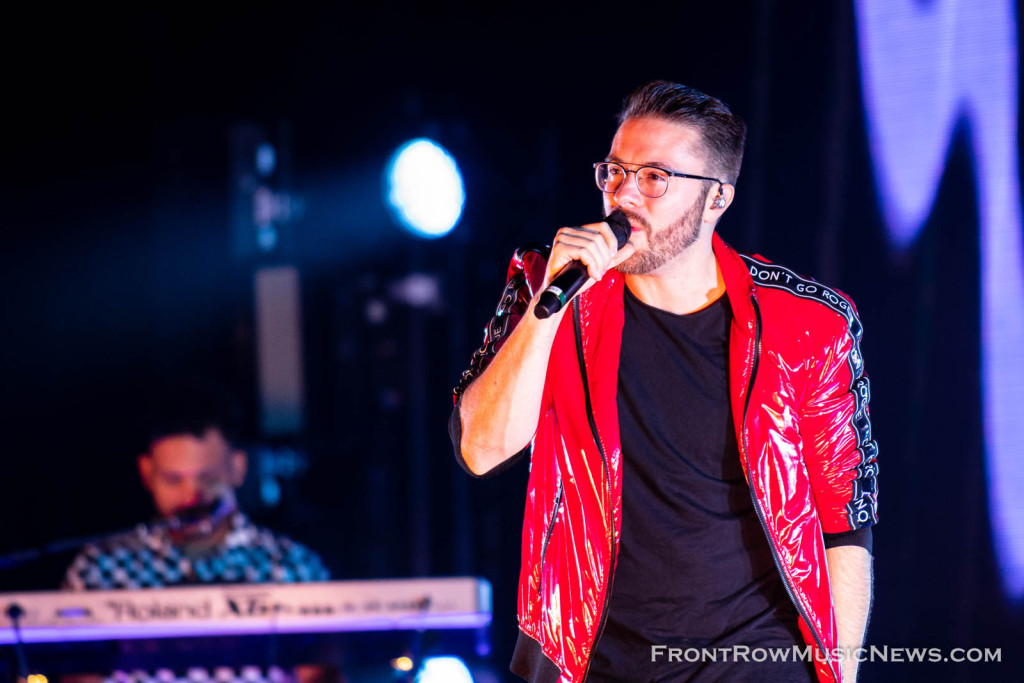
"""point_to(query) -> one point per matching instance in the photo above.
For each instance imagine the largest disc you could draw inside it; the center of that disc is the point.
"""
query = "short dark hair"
(192, 406)
(723, 133)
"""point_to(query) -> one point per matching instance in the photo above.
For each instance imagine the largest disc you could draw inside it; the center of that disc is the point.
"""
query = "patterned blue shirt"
(146, 558)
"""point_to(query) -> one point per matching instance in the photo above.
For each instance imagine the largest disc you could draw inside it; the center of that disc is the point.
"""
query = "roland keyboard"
(241, 609)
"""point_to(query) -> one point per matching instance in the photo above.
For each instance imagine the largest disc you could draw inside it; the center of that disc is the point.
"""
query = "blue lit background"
(926, 67)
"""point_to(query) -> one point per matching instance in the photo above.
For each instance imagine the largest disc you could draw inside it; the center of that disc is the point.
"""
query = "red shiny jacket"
(799, 402)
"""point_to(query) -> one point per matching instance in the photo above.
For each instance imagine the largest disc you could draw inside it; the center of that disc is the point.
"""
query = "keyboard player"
(192, 466)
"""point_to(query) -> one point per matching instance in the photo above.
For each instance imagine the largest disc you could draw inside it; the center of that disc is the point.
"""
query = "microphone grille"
(620, 226)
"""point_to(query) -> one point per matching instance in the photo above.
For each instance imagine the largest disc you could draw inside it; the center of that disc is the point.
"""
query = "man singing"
(703, 475)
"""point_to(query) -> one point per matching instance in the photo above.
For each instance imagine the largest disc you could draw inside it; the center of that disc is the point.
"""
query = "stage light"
(424, 188)
(444, 670)
(266, 159)
(401, 664)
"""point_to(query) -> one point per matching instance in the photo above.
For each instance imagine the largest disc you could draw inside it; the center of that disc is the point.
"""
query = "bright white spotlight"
(425, 188)
(444, 670)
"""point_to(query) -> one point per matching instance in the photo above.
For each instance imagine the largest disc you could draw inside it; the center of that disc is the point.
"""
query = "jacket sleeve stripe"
(514, 301)
(862, 506)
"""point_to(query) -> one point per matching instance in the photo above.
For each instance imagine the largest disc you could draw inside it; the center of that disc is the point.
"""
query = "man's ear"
(239, 466)
(145, 463)
(717, 202)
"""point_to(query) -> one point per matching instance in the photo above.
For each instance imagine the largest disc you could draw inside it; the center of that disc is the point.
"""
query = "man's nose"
(192, 494)
(628, 193)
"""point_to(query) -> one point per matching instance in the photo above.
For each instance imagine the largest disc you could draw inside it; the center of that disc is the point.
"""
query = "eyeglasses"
(650, 180)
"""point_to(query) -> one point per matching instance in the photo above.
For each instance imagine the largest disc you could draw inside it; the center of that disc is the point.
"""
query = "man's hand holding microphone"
(499, 410)
(580, 256)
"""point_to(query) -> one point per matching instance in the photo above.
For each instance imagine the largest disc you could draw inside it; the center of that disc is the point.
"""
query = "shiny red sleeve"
(839, 449)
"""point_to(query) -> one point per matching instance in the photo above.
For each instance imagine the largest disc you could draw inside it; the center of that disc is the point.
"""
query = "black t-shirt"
(694, 568)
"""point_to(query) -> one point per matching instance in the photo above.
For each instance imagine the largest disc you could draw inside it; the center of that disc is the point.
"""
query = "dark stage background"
(121, 268)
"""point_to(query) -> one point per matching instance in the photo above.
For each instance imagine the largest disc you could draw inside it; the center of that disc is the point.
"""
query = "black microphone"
(574, 275)
(202, 518)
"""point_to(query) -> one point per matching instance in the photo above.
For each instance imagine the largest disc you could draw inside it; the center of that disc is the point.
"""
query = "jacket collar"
(738, 283)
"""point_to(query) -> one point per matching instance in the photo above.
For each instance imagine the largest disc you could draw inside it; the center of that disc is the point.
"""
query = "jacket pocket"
(547, 534)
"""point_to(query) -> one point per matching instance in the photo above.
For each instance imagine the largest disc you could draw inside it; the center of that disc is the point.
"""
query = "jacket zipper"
(753, 495)
(578, 327)
(547, 534)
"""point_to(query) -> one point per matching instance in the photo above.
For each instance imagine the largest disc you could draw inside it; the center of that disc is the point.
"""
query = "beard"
(665, 244)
